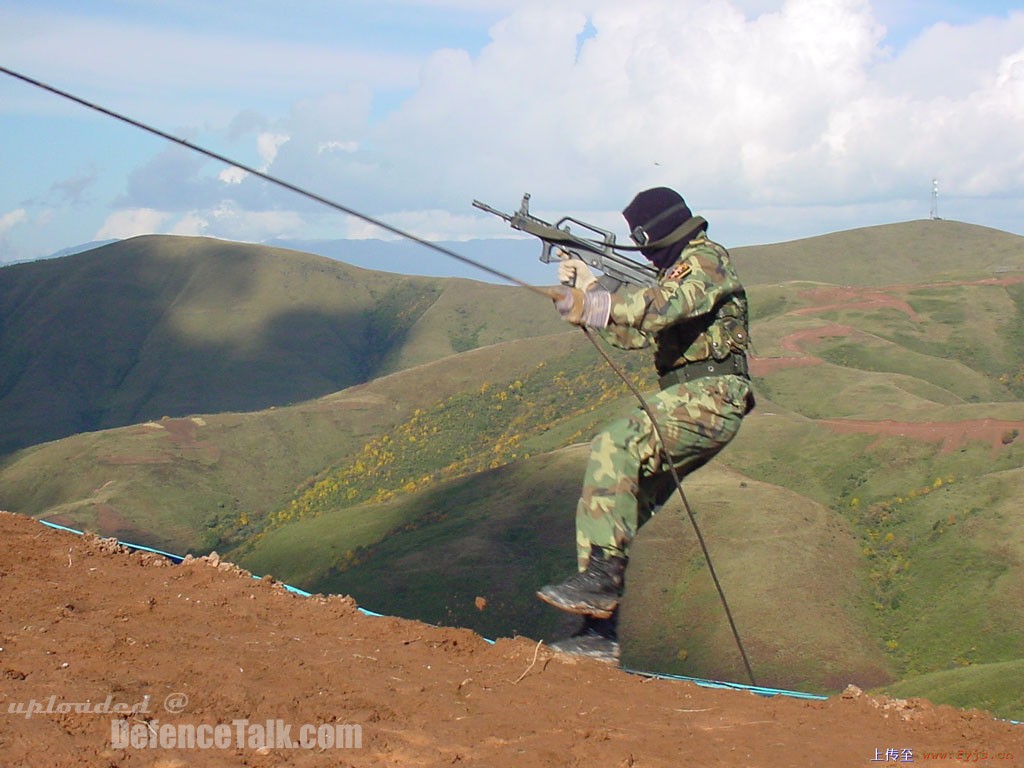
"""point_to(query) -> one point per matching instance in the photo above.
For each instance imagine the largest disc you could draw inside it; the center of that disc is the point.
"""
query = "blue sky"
(776, 120)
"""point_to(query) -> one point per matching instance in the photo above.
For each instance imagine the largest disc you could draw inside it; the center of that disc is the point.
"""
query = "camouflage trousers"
(628, 478)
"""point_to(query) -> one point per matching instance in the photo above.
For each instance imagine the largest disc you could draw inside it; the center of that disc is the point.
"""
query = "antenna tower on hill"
(935, 199)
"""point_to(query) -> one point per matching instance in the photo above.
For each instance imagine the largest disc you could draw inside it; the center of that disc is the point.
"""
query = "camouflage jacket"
(698, 310)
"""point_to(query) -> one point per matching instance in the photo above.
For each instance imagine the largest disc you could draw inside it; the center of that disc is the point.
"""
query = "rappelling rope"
(440, 249)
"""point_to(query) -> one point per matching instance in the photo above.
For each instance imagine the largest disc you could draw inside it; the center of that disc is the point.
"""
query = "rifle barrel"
(489, 209)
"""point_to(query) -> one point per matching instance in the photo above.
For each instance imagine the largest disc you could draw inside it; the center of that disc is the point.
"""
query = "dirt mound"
(118, 658)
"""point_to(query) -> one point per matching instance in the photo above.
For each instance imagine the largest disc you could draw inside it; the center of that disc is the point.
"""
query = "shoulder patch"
(679, 271)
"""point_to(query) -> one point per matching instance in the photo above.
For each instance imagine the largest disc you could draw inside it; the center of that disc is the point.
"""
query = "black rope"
(433, 246)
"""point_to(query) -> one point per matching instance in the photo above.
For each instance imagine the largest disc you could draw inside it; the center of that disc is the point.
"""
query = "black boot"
(597, 639)
(593, 592)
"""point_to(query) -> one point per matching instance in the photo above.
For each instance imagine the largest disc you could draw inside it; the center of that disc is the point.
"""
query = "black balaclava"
(655, 213)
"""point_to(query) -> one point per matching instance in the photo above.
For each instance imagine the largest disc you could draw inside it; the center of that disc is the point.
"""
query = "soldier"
(696, 317)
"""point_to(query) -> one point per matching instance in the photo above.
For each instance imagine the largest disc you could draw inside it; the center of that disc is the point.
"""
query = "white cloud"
(232, 222)
(131, 223)
(225, 220)
(267, 144)
(12, 219)
(191, 224)
(232, 175)
(429, 225)
(583, 103)
(772, 114)
(337, 146)
(798, 106)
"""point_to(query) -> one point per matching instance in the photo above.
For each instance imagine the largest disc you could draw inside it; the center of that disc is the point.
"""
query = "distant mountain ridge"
(80, 248)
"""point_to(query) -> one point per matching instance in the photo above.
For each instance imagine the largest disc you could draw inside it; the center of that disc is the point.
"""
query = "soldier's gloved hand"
(576, 273)
(591, 308)
(568, 302)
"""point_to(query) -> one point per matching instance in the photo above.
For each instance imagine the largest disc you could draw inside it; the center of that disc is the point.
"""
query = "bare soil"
(86, 625)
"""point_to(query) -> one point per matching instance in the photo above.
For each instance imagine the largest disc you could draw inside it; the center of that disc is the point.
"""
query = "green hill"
(172, 326)
(992, 687)
(913, 252)
(862, 522)
(201, 482)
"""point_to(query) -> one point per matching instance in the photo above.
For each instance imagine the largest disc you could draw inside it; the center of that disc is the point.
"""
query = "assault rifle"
(559, 240)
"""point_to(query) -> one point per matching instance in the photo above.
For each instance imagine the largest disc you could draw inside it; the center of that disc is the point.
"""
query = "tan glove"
(568, 302)
(592, 309)
(575, 272)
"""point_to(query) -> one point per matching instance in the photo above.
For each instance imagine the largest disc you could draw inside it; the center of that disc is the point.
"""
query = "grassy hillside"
(472, 552)
(203, 482)
(172, 326)
(867, 444)
(862, 522)
(488, 535)
(826, 590)
(993, 687)
(914, 252)
(794, 577)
